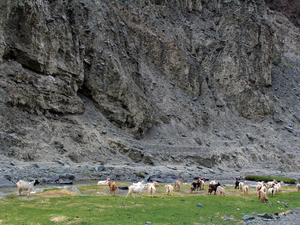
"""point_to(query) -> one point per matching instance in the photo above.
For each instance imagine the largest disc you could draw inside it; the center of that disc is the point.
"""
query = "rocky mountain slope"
(186, 83)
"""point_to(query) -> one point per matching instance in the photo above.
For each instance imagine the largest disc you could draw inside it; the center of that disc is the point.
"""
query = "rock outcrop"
(211, 83)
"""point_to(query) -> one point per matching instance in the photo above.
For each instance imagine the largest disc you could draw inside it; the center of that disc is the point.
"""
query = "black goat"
(236, 184)
(195, 186)
(213, 187)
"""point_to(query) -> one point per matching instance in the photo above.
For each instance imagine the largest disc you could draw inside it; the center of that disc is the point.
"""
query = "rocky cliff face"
(212, 83)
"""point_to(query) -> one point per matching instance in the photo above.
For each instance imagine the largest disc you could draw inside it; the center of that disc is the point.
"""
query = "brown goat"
(262, 196)
(177, 184)
(245, 189)
(113, 187)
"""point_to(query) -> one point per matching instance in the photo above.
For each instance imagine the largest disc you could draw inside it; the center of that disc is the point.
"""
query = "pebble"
(247, 217)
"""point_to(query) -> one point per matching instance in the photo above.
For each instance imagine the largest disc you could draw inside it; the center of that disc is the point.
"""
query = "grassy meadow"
(95, 205)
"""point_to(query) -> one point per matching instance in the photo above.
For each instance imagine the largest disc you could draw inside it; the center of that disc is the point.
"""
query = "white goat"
(26, 186)
(213, 182)
(169, 189)
(151, 188)
(139, 183)
(220, 191)
(259, 185)
(104, 182)
(277, 187)
(241, 186)
(202, 183)
(264, 189)
(271, 191)
(271, 183)
(262, 183)
(137, 188)
(298, 187)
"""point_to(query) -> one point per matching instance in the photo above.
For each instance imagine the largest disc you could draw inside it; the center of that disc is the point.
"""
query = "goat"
(263, 188)
(220, 191)
(262, 183)
(241, 186)
(137, 188)
(192, 189)
(271, 183)
(169, 189)
(277, 187)
(113, 187)
(177, 184)
(280, 185)
(151, 188)
(237, 186)
(246, 189)
(213, 187)
(138, 183)
(271, 191)
(262, 196)
(196, 185)
(25, 186)
(104, 182)
(202, 183)
(213, 182)
(259, 186)
(298, 187)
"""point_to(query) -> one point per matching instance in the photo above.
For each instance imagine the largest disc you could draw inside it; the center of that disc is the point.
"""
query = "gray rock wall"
(176, 73)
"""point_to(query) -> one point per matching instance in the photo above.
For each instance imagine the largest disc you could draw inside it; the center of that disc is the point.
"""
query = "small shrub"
(140, 175)
(286, 64)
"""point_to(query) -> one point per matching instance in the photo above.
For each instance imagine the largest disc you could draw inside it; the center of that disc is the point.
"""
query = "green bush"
(269, 178)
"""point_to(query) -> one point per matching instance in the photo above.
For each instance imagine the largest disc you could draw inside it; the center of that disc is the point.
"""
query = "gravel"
(288, 218)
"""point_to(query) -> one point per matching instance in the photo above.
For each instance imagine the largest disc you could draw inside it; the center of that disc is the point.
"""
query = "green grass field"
(61, 206)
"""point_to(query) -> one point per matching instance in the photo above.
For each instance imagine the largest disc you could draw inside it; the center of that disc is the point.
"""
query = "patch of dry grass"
(55, 193)
(58, 219)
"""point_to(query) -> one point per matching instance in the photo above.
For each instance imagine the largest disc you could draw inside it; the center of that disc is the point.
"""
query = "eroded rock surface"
(209, 83)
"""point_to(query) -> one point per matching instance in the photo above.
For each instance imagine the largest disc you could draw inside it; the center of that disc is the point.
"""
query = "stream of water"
(4, 191)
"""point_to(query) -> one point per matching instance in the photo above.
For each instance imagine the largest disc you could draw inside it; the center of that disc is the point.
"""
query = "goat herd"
(262, 188)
